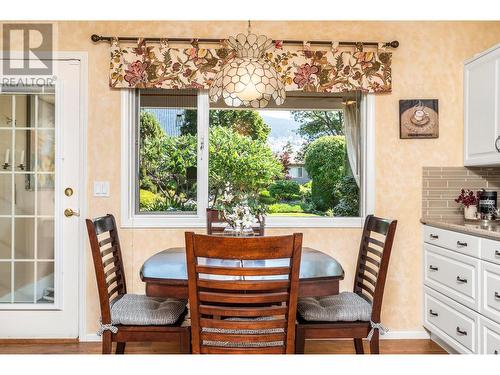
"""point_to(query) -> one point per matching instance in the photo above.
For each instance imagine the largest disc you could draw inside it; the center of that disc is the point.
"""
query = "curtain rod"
(99, 38)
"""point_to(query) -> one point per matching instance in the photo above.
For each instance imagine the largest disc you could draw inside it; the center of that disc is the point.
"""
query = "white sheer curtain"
(352, 129)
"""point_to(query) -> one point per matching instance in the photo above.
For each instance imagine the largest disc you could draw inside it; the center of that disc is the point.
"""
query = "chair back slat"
(247, 248)
(373, 261)
(243, 309)
(108, 262)
(215, 217)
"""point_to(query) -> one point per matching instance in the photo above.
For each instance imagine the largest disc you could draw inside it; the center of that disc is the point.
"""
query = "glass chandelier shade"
(248, 79)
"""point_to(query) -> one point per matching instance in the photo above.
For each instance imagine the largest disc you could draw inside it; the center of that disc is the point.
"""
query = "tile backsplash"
(441, 185)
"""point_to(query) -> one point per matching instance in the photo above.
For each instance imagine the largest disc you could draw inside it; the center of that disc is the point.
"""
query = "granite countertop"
(491, 231)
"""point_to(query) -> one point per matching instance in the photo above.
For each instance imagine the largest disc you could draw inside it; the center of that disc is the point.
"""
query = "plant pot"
(470, 213)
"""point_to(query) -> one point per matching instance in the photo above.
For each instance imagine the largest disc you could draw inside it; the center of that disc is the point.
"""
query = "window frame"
(129, 149)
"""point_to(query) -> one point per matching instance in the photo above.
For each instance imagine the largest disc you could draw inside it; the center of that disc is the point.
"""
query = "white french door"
(40, 151)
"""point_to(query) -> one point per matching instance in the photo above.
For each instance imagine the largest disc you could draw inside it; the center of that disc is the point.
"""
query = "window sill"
(271, 222)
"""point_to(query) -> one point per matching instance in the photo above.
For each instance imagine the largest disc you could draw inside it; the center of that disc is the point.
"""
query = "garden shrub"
(324, 162)
(147, 198)
(279, 208)
(347, 192)
(265, 197)
(285, 190)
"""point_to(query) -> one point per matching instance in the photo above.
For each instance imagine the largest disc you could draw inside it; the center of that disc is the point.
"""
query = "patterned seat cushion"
(134, 309)
(244, 332)
(343, 307)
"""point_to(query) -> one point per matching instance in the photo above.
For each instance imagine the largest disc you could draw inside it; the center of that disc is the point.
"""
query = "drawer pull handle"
(460, 332)
(433, 236)
(461, 244)
(497, 296)
(433, 313)
(460, 280)
(497, 253)
(432, 268)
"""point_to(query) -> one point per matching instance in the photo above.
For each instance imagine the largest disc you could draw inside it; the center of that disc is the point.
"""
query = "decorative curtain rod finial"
(96, 38)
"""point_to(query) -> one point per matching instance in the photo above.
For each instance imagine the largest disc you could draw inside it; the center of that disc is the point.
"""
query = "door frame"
(82, 259)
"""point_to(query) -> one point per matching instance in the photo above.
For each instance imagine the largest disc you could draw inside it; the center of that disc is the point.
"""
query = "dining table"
(165, 273)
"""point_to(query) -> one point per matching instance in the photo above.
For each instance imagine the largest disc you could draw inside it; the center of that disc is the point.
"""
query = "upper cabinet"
(482, 109)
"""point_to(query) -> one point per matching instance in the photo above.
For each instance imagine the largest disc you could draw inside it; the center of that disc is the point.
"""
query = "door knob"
(68, 212)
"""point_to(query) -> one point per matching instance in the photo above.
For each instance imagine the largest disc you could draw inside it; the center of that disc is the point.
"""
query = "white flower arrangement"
(240, 211)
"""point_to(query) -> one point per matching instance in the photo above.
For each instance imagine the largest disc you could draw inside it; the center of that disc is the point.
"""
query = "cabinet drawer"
(463, 243)
(452, 274)
(490, 291)
(490, 250)
(489, 336)
(452, 322)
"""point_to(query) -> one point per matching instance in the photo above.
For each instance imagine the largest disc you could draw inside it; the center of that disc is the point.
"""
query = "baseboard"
(90, 337)
(391, 335)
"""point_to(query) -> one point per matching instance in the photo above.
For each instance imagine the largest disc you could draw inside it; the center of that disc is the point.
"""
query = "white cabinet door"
(482, 109)
(490, 291)
(489, 336)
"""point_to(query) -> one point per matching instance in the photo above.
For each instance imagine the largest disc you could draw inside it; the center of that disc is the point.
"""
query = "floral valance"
(160, 66)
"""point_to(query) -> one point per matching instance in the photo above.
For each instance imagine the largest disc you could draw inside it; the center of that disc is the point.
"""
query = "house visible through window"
(301, 159)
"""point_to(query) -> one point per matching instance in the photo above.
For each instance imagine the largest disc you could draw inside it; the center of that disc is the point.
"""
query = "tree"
(324, 162)
(248, 165)
(285, 158)
(315, 124)
(166, 164)
(245, 122)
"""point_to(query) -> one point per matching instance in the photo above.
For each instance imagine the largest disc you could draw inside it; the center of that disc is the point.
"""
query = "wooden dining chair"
(129, 317)
(215, 217)
(242, 306)
(353, 315)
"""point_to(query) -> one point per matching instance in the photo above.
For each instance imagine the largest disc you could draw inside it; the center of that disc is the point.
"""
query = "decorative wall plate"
(418, 118)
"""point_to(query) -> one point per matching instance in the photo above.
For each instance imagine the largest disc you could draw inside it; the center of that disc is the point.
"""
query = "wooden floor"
(312, 347)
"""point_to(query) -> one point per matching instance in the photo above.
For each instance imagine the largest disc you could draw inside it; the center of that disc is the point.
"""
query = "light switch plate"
(101, 188)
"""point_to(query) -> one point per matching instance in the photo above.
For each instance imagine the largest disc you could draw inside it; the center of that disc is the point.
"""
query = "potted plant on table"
(241, 211)
(469, 200)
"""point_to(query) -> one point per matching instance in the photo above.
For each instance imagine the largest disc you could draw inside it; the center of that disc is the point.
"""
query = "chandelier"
(249, 79)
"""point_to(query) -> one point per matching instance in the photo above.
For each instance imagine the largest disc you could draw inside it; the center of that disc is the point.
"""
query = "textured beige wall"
(428, 64)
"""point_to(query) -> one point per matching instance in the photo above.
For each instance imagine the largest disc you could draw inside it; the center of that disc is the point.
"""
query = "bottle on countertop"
(487, 202)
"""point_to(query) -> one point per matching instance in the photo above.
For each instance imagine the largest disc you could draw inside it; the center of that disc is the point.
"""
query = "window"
(305, 160)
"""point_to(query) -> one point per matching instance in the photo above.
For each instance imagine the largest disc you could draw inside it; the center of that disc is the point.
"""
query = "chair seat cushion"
(343, 307)
(135, 309)
(244, 332)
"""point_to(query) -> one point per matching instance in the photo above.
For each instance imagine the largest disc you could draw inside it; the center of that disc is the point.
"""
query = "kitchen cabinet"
(461, 289)
(482, 109)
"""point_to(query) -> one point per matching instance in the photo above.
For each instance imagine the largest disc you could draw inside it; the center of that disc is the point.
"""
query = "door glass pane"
(45, 194)
(45, 282)
(5, 150)
(25, 194)
(5, 281)
(27, 146)
(24, 235)
(24, 150)
(5, 111)
(6, 194)
(46, 111)
(5, 238)
(45, 238)
(23, 109)
(45, 144)
(24, 277)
